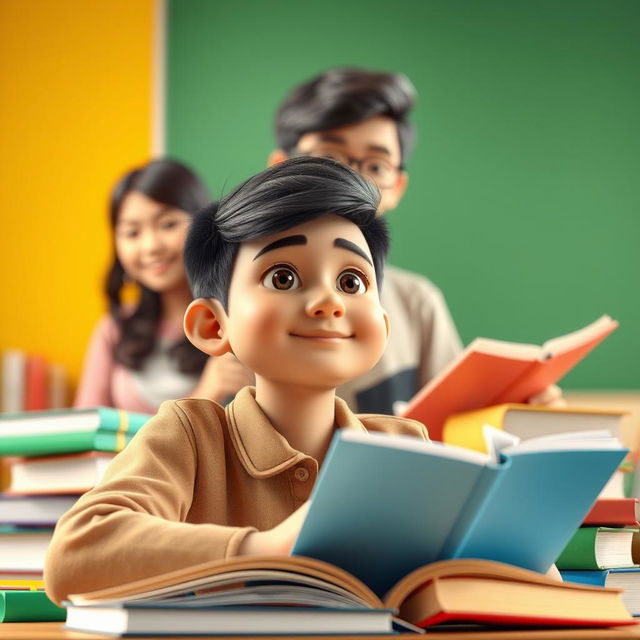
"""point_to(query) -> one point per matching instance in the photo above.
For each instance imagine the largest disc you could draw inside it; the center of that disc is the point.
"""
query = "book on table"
(22, 549)
(34, 510)
(41, 433)
(490, 372)
(593, 548)
(627, 579)
(614, 512)
(29, 606)
(526, 421)
(71, 473)
(408, 502)
(260, 595)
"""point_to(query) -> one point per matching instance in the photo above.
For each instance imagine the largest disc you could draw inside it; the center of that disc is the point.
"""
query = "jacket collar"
(262, 450)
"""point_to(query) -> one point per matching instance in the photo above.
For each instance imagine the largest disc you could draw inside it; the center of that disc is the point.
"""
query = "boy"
(287, 272)
(360, 118)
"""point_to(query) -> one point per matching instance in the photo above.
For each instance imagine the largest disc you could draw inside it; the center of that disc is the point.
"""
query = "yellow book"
(526, 421)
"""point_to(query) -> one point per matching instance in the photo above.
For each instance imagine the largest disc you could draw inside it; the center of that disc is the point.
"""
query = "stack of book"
(293, 595)
(49, 459)
(29, 382)
(605, 550)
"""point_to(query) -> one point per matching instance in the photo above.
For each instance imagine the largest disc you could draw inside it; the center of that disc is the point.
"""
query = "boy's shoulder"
(393, 425)
(194, 415)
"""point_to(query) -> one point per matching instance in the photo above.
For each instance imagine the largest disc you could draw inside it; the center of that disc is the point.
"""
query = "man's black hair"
(281, 197)
(344, 96)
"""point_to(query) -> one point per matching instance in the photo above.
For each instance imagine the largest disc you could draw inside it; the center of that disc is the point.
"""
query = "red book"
(35, 398)
(490, 372)
(614, 512)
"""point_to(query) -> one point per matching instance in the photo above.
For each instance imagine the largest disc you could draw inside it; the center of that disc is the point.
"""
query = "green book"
(595, 548)
(41, 433)
(29, 606)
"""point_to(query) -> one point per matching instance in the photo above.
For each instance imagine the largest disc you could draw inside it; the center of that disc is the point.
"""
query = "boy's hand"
(277, 541)
(222, 377)
(549, 397)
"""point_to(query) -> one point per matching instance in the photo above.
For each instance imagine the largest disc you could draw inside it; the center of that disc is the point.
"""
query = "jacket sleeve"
(132, 525)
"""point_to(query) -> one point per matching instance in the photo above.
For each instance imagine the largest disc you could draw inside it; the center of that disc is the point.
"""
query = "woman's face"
(149, 239)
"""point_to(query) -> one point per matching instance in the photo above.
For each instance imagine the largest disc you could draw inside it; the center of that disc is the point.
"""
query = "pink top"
(105, 382)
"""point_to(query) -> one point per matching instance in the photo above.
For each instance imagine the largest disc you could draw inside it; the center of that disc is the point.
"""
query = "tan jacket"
(189, 487)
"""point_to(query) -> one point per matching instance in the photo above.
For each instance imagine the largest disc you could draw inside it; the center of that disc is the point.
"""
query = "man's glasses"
(381, 171)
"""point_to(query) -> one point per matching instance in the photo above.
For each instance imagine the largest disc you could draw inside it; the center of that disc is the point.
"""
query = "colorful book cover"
(29, 606)
(40, 433)
(408, 503)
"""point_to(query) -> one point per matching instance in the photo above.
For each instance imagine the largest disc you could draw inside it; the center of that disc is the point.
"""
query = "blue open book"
(385, 505)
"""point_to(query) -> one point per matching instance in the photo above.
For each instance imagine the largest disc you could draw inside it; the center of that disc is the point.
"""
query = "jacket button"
(301, 474)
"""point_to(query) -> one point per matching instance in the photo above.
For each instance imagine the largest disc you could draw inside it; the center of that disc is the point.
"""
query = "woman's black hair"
(344, 96)
(171, 183)
(283, 196)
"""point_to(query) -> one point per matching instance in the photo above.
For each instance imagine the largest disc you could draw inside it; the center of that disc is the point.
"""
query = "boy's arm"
(132, 524)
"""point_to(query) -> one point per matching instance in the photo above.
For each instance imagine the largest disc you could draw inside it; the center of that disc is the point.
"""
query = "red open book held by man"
(492, 372)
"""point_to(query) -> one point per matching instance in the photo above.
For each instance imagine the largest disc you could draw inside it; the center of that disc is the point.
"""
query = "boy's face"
(370, 147)
(304, 307)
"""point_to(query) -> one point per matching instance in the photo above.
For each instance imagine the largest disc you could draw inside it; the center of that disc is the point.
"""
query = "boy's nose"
(325, 303)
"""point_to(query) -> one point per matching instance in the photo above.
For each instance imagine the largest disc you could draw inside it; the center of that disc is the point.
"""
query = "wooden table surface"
(56, 631)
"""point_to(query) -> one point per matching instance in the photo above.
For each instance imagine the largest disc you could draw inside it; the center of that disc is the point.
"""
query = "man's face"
(304, 307)
(370, 147)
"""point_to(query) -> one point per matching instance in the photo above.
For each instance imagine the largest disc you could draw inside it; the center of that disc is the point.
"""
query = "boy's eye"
(281, 278)
(352, 282)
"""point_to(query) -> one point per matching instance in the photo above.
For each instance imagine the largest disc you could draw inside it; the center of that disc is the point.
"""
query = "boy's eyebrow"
(282, 242)
(350, 246)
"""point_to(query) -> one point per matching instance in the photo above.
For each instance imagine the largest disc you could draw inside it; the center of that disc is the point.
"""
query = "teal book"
(627, 579)
(43, 433)
(385, 505)
(594, 548)
(29, 606)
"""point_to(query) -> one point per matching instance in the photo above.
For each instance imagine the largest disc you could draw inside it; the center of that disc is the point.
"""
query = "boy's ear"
(276, 157)
(205, 321)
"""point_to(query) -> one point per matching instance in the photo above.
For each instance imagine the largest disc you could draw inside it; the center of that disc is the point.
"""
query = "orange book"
(490, 372)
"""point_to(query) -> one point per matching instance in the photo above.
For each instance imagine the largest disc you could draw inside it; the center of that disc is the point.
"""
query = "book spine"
(58, 386)
(470, 513)
(36, 384)
(29, 606)
(580, 552)
(47, 444)
(594, 578)
(13, 380)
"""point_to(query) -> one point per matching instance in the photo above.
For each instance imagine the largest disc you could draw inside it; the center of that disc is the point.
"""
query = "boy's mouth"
(322, 336)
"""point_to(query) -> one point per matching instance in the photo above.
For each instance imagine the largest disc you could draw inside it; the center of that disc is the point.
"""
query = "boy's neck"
(305, 417)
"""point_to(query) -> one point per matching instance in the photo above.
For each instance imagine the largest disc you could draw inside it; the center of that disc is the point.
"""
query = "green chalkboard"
(524, 195)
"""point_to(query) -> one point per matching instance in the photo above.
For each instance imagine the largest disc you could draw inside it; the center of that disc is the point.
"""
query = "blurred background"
(524, 194)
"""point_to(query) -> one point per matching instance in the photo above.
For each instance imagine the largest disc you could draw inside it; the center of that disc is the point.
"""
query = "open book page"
(305, 571)
(603, 326)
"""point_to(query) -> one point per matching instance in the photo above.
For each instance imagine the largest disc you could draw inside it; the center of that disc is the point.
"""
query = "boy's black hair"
(344, 96)
(283, 196)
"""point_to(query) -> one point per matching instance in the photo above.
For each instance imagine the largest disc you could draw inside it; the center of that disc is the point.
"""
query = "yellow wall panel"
(75, 111)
